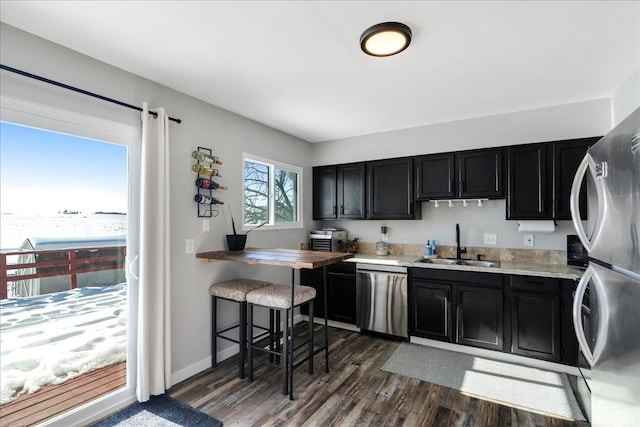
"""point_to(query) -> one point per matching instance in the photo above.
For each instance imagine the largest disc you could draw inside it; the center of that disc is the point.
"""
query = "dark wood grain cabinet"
(341, 292)
(391, 191)
(461, 175)
(459, 307)
(541, 322)
(539, 179)
(324, 192)
(479, 316)
(522, 315)
(528, 183)
(339, 191)
(431, 312)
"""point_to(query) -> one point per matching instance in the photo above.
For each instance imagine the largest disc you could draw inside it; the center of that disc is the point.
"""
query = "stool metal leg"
(214, 333)
(242, 335)
(285, 365)
(326, 321)
(277, 339)
(310, 337)
(250, 340)
(272, 342)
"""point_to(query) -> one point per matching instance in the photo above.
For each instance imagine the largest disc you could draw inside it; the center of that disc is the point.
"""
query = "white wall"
(229, 135)
(584, 119)
(627, 98)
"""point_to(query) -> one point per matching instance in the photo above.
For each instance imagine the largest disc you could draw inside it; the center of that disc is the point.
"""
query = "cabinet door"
(341, 288)
(528, 189)
(324, 192)
(567, 156)
(435, 176)
(313, 278)
(480, 174)
(480, 317)
(535, 325)
(431, 310)
(391, 189)
(351, 191)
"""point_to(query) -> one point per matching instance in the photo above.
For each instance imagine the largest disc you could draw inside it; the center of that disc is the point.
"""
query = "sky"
(44, 172)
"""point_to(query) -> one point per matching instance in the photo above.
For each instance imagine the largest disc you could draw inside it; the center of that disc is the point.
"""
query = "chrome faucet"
(459, 250)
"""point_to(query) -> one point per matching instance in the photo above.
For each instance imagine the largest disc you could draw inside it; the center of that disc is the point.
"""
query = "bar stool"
(278, 297)
(234, 291)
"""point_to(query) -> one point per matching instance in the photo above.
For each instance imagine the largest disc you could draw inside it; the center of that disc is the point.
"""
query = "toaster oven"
(328, 240)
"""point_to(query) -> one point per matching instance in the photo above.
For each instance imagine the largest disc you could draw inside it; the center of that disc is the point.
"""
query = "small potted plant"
(352, 245)
(235, 241)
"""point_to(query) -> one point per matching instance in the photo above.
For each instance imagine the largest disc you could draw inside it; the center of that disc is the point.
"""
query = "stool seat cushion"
(279, 296)
(236, 290)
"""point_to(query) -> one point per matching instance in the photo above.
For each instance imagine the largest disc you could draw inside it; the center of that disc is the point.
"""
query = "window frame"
(272, 166)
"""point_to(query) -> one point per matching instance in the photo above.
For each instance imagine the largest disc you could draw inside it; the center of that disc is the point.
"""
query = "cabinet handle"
(334, 209)
(342, 209)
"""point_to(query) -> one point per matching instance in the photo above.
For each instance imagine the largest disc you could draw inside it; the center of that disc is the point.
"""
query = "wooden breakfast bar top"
(293, 258)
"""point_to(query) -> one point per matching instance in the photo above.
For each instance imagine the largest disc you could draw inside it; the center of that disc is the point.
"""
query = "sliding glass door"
(68, 205)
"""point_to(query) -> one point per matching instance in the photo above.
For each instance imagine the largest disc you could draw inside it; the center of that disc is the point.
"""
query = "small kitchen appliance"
(576, 253)
(328, 240)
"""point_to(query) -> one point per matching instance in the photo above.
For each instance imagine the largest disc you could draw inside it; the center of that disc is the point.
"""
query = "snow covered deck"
(49, 339)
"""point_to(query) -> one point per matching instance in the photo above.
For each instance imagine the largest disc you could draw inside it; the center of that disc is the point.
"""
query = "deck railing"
(35, 264)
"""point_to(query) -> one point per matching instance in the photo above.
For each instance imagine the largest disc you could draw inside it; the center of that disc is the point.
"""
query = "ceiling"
(297, 66)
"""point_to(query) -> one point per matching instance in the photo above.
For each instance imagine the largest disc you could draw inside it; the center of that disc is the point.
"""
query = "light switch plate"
(490, 239)
(205, 225)
(190, 246)
(528, 240)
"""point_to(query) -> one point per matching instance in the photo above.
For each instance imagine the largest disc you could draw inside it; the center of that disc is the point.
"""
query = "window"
(272, 193)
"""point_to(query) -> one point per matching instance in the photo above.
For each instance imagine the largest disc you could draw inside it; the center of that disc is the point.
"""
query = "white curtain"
(154, 302)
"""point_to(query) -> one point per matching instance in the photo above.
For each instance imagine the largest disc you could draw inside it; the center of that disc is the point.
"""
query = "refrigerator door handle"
(603, 315)
(577, 314)
(598, 174)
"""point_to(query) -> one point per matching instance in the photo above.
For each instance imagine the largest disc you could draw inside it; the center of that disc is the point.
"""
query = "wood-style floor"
(33, 409)
(354, 393)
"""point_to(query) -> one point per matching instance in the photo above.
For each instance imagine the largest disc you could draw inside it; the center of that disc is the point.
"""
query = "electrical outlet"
(490, 239)
(205, 225)
(528, 239)
(190, 246)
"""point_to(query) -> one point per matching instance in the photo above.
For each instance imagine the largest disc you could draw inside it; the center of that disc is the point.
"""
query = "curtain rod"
(82, 91)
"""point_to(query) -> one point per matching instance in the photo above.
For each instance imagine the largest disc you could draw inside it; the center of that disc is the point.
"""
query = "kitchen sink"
(452, 261)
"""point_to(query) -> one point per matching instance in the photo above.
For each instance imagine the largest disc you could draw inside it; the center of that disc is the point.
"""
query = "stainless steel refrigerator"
(606, 308)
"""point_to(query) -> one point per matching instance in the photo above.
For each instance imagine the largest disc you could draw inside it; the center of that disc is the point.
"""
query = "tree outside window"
(271, 193)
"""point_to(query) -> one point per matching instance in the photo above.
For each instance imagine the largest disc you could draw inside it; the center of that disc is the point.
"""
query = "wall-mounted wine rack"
(205, 166)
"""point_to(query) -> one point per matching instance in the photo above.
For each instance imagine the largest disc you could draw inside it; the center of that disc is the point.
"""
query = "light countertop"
(558, 271)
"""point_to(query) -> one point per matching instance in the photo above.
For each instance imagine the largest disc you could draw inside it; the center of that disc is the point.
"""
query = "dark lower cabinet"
(535, 325)
(431, 314)
(523, 315)
(479, 317)
(341, 292)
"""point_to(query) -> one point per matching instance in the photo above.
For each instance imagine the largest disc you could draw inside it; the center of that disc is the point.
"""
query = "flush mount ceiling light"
(386, 39)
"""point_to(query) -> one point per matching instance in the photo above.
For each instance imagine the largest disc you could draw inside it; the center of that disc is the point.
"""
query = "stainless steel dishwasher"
(381, 295)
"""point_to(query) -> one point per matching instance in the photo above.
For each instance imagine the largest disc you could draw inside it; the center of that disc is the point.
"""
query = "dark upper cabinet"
(435, 177)
(466, 174)
(539, 179)
(567, 156)
(324, 192)
(351, 191)
(528, 186)
(339, 191)
(480, 174)
(390, 190)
